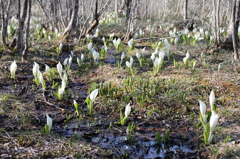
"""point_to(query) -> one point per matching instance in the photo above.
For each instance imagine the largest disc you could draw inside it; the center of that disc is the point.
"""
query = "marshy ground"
(165, 102)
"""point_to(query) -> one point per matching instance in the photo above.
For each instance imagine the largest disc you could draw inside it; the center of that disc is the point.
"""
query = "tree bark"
(26, 47)
(232, 26)
(185, 9)
(128, 4)
(234, 34)
(21, 20)
(73, 20)
(5, 20)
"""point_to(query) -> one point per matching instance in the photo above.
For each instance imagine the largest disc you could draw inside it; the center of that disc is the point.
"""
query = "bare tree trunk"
(116, 8)
(95, 19)
(73, 20)
(185, 9)
(5, 20)
(26, 47)
(128, 4)
(234, 33)
(231, 26)
(215, 13)
(21, 20)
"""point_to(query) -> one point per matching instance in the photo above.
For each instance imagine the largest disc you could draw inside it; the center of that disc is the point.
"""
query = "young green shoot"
(76, 107)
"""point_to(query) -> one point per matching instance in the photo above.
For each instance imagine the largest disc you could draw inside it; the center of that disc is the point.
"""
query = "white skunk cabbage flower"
(130, 43)
(96, 33)
(60, 69)
(70, 61)
(40, 78)
(96, 56)
(82, 57)
(65, 62)
(143, 50)
(35, 69)
(13, 69)
(93, 95)
(129, 63)
(47, 68)
(49, 122)
(153, 57)
(185, 59)
(122, 56)
(90, 46)
(72, 53)
(161, 54)
(111, 36)
(212, 99)
(203, 109)
(213, 123)
(127, 110)
(138, 55)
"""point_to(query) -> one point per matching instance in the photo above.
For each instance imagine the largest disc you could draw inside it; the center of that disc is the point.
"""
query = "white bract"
(36, 71)
(186, 59)
(203, 111)
(153, 57)
(212, 99)
(90, 46)
(138, 55)
(13, 69)
(127, 110)
(129, 63)
(122, 56)
(60, 69)
(82, 57)
(65, 62)
(47, 68)
(70, 61)
(130, 43)
(93, 95)
(143, 50)
(96, 56)
(213, 123)
(49, 122)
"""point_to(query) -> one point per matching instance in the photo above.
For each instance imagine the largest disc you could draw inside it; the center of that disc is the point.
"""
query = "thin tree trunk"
(234, 34)
(71, 22)
(128, 4)
(22, 17)
(229, 40)
(24, 53)
(5, 20)
(116, 8)
(185, 13)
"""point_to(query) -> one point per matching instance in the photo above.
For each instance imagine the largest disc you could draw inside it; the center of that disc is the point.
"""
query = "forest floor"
(166, 102)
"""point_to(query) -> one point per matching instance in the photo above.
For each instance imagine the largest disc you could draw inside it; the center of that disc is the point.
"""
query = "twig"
(48, 103)
(9, 137)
